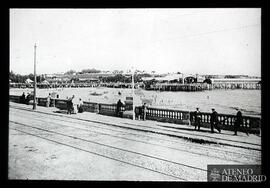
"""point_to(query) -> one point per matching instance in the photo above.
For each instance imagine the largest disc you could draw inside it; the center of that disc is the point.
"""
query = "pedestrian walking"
(69, 105)
(198, 117)
(137, 113)
(80, 106)
(214, 121)
(238, 122)
(74, 104)
(144, 110)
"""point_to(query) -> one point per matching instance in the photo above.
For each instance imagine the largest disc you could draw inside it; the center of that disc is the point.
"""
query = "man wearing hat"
(197, 116)
(214, 121)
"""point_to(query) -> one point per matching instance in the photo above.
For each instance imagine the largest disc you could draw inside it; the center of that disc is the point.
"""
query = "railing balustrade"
(109, 109)
(226, 121)
(90, 107)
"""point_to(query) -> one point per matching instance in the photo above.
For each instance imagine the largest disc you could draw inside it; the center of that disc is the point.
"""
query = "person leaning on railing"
(22, 98)
(119, 104)
(28, 98)
(239, 121)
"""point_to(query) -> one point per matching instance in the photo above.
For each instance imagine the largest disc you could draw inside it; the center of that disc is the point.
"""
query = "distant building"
(235, 80)
(93, 76)
(188, 78)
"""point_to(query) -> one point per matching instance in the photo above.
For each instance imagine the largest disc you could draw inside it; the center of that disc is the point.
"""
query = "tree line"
(17, 78)
(84, 71)
(124, 79)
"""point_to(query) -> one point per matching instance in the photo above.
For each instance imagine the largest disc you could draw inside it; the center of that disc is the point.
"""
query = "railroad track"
(208, 151)
(162, 166)
(175, 170)
(117, 125)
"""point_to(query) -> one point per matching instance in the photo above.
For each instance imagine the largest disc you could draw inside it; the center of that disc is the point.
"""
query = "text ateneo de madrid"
(245, 174)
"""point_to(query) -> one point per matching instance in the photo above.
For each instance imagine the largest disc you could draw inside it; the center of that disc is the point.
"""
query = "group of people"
(74, 106)
(26, 99)
(214, 122)
(140, 114)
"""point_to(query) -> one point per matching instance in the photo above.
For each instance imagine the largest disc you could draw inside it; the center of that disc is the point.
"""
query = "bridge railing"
(41, 101)
(166, 115)
(108, 109)
(90, 107)
(226, 122)
(15, 98)
(61, 104)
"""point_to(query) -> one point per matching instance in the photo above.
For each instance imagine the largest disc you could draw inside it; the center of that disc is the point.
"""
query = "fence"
(109, 109)
(166, 115)
(90, 107)
(61, 104)
(15, 98)
(251, 124)
(226, 122)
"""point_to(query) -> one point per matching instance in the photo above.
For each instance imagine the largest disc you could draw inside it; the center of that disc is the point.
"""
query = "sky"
(193, 41)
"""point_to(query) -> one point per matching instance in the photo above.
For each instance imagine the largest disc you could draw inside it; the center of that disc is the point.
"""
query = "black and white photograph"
(135, 94)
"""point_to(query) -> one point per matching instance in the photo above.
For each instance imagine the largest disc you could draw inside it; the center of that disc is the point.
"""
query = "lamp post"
(35, 79)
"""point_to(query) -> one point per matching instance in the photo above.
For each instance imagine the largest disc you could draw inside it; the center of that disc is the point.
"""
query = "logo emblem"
(214, 175)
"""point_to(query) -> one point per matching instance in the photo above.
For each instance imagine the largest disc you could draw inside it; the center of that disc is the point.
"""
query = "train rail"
(151, 131)
(53, 130)
(165, 143)
(173, 169)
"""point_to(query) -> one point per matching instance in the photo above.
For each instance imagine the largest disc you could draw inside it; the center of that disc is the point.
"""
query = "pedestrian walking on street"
(69, 105)
(238, 122)
(74, 104)
(214, 121)
(144, 110)
(80, 106)
(198, 117)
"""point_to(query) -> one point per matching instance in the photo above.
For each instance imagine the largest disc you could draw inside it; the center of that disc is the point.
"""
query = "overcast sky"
(203, 41)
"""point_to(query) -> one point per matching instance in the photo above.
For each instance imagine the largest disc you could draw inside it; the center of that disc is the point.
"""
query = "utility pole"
(183, 79)
(35, 79)
(133, 103)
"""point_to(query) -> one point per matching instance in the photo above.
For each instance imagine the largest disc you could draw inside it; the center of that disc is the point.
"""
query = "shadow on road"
(60, 111)
(191, 129)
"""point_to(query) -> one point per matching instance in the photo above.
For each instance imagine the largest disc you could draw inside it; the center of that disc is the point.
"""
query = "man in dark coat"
(22, 99)
(80, 106)
(69, 105)
(197, 117)
(118, 108)
(238, 122)
(214, 121)
(144, 110)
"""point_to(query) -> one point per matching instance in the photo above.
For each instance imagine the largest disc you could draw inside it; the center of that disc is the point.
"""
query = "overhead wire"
(207, 33)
